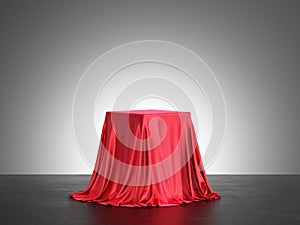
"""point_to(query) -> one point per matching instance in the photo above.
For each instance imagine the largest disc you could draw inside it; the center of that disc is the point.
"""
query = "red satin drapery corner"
(147, 158)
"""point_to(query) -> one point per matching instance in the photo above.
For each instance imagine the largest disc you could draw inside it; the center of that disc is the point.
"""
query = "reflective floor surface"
(245, 199)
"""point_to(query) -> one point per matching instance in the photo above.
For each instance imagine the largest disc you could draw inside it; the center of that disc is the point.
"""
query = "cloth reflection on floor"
(192, 213)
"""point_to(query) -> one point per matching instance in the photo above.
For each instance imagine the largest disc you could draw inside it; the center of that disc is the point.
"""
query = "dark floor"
(260, 199)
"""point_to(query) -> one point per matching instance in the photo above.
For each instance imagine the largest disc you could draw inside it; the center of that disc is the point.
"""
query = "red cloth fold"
(147, 158)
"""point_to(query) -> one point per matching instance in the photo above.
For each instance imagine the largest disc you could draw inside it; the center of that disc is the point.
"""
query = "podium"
(147, 158)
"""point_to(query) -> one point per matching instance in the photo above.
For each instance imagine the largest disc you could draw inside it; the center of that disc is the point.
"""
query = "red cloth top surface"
(147, 111)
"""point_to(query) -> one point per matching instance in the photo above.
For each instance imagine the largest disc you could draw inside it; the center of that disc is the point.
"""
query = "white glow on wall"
(165, 76)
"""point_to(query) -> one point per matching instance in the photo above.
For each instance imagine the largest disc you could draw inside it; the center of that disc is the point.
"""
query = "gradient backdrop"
(252, 46)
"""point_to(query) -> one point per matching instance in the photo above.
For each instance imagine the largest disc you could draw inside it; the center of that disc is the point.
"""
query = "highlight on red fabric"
(147, 158)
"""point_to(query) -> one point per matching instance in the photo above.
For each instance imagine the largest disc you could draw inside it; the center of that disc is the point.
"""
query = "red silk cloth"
(147, 158)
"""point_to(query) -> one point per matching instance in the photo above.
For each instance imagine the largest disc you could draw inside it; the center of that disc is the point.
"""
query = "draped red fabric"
(147, 158)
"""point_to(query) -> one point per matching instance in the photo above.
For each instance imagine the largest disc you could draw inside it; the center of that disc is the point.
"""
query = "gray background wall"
(252, 46)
